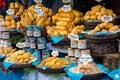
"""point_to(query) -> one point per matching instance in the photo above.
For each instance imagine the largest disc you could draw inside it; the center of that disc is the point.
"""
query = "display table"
(21, 75)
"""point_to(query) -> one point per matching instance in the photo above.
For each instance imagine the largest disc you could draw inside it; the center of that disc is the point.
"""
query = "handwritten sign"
(55, 53)
(10, 11)
(98, 0)
(85, 58)
(66, 1)
(38, 1)
(37, 9)
(106, 18)
(73, 37)
(66, 8)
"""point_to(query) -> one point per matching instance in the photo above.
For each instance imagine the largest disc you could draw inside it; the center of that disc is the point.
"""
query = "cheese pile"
(105, 27)
(17, 7)
(20, 57)
(65, 23)
(10, 22)
(54, 62)
(30, 16)
(89, 68)
(97, 12)
(6, 50)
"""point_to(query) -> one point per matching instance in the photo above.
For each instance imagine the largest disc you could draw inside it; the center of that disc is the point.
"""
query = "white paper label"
(10, 11)
(55, 53)
(27, 44)
(98, 0)
(6, 36)
(41, 46)
(73, 37)
(66, 1)
(82, 44)
(37, 33)
(1, 21)
(66, 8)
(85, 58)
(74, 44)
(32, 45)
(38, 1)
(40, 14)
(70, 53)
(29, 33)
(37, 9)
(106, 18)
(20, 45)
(77, 54)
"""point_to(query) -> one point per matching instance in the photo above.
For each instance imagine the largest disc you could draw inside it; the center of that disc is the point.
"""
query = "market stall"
(59, 40)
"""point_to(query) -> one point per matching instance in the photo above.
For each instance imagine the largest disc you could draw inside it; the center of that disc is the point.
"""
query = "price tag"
(98, 0)
(66, 1)
(73, 37)
(38, 1)
(106, 18)
(10, 11)
(37, 9)
(40, 13)
(85, 58)
(1, 21)
(20, 45)
(55, 53)
(66, 8)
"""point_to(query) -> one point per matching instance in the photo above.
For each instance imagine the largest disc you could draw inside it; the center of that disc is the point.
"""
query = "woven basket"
(66, 41)
(92, 25)
(50, 71)
(103, 45)
(95, 76)
(20, 66)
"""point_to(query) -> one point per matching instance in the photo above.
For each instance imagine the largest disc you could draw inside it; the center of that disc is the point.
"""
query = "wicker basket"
(90, 25)
(50, 71)
(20, 66)
(103, 45)
(66, 41)
(95, 76)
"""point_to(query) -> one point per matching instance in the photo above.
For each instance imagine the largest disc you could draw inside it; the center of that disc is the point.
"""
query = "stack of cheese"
(17, 7)
(10, 22)
(65, 23)
(6, 50)
(20, 57)
(71, 16)
(97, 12)
(64, 30)
(105, 27)
(54, 62)
(88, 68)
(30, 16)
